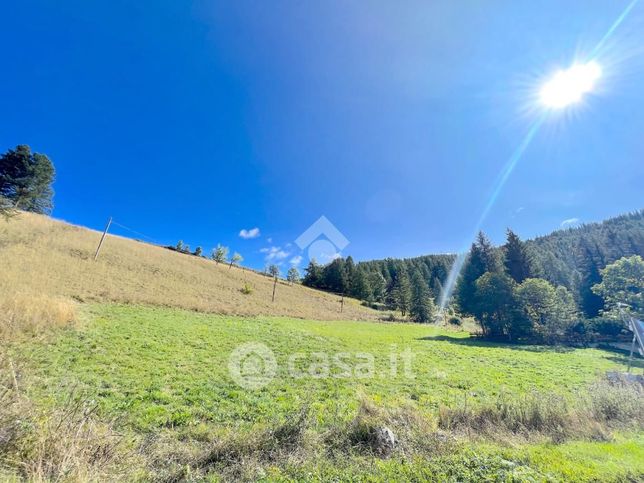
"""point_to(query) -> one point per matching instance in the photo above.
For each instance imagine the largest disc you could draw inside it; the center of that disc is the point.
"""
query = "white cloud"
(269, 240)
(570, 222)
(248, 234)
(296, 260)
(274, 253)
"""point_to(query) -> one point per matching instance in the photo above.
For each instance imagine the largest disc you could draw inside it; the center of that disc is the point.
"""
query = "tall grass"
(52, 258)
(29, 313)
(593, 413)
(64, 444)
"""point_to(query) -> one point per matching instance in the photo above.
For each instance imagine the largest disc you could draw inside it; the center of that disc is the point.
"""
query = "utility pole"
(342, 303)
(274, 285)
(100, 244)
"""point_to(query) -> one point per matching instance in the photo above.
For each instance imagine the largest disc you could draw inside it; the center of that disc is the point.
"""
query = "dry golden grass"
(53, 259)
(32, 313)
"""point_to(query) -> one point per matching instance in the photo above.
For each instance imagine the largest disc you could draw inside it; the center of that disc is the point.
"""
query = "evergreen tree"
(26, 179)
(488, 254)
(497, 307)
(517, 260)
(421, 308)
(481, 259)
(335, 277)
(313, 275)
(360, 288)
(179, 246)
(198, 251)
(378, 286)
(591, 303)
(401, 292)
(350, 272)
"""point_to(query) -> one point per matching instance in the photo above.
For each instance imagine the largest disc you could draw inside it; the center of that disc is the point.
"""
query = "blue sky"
(196, 120)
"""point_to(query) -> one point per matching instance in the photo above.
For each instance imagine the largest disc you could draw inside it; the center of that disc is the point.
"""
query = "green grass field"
(162, 374)
(170, 367)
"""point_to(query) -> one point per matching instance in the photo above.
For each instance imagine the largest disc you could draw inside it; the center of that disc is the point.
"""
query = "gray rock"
(383, 441)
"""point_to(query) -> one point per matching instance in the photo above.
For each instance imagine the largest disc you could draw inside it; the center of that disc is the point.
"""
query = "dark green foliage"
(335, 277)
(313, 275)
(360, 287)
(400, 292)
(498, 308)
(516, 258)
(622, 283)
(198, 251)
(26, 179)
(421, 308)
(481, 259)
(573, 257)
(570, 260)
(589, 266)
(378, 286)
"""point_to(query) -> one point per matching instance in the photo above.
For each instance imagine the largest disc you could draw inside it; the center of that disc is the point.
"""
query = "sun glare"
(569, 86)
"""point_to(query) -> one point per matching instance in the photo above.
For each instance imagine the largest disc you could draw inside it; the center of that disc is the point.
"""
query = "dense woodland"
(498, 284)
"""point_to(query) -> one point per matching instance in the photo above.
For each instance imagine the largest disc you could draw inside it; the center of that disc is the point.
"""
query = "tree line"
(548, 289)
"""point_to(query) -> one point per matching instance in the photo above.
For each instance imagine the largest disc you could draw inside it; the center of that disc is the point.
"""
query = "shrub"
(454, 320)
(604, 327)
(247, 289)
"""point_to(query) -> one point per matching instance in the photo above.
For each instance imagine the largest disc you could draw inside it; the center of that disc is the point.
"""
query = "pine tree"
(401, 292)
(378, 286)
(313, 275)
(360, 288)
(489, 255)
(335, 277)
(198, 251)
(26, 179)
(517, 259)
(481, 259)
(421, 307)
(350, 271)
(591, 303)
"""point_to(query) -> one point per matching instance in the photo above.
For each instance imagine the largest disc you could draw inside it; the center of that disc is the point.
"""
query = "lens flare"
(569, 86)
(565, 88)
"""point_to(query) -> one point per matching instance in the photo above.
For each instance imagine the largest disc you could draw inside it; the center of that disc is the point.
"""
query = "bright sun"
(569, 86)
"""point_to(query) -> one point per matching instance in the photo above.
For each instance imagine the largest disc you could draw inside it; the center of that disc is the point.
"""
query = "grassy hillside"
(121, 371)
(45, 257)
(160, 377)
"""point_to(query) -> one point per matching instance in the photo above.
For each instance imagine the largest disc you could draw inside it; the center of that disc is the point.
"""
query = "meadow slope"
(44, 257)
(467, 411)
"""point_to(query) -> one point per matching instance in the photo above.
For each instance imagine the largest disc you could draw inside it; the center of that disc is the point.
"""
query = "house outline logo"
(324, 249)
